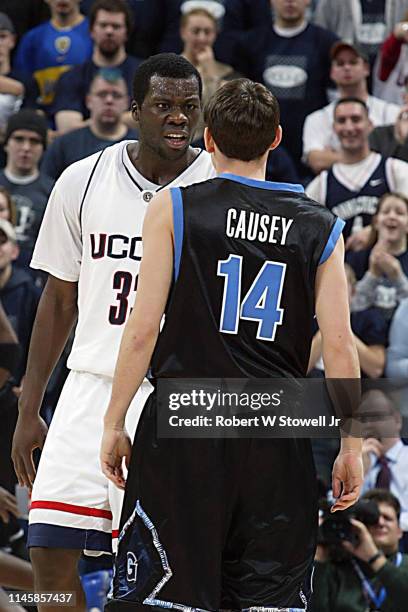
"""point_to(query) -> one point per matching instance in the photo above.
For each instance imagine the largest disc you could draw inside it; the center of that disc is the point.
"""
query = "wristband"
(375, 557)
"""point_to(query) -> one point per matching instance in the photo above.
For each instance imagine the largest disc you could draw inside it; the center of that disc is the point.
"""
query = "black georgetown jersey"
(246, 256)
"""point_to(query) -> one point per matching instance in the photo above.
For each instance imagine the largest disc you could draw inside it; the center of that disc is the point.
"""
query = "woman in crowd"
(383, 268)
(198, 31)
(7, 208)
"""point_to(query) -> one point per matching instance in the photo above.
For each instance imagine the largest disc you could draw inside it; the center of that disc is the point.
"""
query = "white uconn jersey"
(91, 233)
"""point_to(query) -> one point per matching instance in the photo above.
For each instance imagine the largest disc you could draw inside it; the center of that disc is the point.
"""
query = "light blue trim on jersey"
(178, 223)
(270, 185)
(332, 241)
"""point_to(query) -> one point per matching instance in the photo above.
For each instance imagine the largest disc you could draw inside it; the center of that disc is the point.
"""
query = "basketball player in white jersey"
(90, 244)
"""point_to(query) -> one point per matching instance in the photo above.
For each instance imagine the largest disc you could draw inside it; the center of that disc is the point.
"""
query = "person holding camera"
(371, 575)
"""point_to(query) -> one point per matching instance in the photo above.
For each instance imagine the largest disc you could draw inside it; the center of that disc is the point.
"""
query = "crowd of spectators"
(340, 72)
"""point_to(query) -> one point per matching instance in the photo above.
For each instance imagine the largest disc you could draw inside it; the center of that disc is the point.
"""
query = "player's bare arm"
(56, 315)
(140, 334)
(341, 361)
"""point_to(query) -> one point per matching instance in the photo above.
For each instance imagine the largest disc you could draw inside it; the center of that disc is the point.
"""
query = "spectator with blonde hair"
(198, 31)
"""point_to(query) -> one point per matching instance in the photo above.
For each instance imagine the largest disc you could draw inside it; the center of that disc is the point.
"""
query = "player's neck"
(253, 170)
(357, 90)
(102, 61)
(155, 169)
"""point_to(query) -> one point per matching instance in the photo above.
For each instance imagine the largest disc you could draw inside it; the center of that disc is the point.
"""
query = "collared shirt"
(397, 457)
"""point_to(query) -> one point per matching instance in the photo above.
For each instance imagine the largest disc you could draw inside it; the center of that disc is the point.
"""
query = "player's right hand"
(347, 479)
(30, 433)
(116, 446)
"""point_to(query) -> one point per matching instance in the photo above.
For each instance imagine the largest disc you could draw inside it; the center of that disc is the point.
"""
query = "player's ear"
(277, 139)
(134, 109)
(208, 141)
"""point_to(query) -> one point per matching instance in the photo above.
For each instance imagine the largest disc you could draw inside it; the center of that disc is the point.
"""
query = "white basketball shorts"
(73, 505)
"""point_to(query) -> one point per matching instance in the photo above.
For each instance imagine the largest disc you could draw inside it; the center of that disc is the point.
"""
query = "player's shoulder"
(200, 169)
(313, 205)
(203, 163)
(77, 176)
(81, 169)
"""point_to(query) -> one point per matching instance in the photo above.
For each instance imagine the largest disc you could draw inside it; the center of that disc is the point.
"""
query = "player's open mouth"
(176, 141)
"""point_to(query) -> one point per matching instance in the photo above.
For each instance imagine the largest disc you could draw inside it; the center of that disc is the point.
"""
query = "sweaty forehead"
(172, 88)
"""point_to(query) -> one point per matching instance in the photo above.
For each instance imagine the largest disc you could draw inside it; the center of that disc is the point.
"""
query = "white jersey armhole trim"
(37, 265)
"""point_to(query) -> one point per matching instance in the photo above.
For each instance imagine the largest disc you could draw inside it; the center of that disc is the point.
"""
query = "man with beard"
(90, 244)
(110, 25)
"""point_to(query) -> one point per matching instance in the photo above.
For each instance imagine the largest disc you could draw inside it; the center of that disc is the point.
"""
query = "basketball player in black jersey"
(228, 524)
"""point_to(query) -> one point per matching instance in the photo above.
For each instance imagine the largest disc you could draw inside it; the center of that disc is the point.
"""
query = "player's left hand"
(347, 479)
(116, 446)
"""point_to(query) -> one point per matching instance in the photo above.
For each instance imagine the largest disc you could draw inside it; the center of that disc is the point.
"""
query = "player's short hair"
(200, 12)
(111, 6)
(385, 497)
(351, 100)
(111, 75)
(242, 117)
(167, 65)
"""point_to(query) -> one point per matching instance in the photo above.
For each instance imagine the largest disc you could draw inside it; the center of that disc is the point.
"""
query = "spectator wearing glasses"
(107, 100)
(24, 145)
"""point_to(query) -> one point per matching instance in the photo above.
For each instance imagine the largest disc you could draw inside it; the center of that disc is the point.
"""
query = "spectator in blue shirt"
(110, 24)
(107, 100)
(51, 48)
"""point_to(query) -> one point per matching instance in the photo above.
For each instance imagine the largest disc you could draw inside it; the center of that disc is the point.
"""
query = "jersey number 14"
(262, 301)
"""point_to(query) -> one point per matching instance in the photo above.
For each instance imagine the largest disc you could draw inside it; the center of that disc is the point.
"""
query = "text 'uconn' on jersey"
(116, 246)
